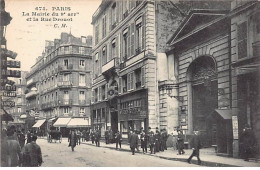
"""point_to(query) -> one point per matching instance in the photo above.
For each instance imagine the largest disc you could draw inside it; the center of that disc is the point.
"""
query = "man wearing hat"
(133, 142)
(34, 154)
(143, 136)
(157, 139)
(151, 140)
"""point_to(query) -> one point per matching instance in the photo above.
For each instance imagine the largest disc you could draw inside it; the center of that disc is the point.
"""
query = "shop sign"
(11, 63)
(8, 88)
(235, 127)
(11, 73)
(8, 103)
(9, 94)
(6, 81)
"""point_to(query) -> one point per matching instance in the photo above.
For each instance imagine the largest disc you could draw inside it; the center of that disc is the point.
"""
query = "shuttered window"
(120, 85)
(132, 39)
(130, 81)
(106, 88)
(242, 40)
(142, 76)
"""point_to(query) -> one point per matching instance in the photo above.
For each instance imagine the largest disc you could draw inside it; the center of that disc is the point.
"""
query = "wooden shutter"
(128, 43)
(120, 85)
(143, 31)
(106, 88)
(143, 76)
(128, 81)
(132, 37)
(110, 19)
(242, 40)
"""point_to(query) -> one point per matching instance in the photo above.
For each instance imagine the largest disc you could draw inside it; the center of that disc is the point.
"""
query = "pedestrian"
(21, 138)
(151, 140)
(248, 142)
(97, 137)
(106, 137)
(84, 135)
(180, 142)
(133, 141)
(195, 145)
(14, 156)
(157, 140)
(32, 154)
(110, 133)
(29, 137)
(143, 137)
(165, 138)
(161, 146)
(72, 140)
(78, 133)
(118, 138)
(92, 134)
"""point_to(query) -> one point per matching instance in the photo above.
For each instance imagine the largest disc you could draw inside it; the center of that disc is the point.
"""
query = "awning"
(39, 123)
(61, 122)
(225, 113)
(78, 122)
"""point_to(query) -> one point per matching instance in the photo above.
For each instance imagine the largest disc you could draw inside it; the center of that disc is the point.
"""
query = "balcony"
(109, 68)
(49, 105)
(65, 102)
(31, 81)
(65, 68)
(65, 84)
(31, 94)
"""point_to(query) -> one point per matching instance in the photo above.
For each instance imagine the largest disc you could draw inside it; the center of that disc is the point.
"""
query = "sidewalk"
(207, 156)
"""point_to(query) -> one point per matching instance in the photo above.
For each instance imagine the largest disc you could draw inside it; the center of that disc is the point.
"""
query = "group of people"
(14, 151)
(156, 141)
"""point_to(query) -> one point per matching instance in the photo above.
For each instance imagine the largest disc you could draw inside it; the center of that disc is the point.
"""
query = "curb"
(203, 163)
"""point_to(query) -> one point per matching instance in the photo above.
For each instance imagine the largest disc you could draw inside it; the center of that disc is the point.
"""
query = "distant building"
(59, 83)
(19, 110)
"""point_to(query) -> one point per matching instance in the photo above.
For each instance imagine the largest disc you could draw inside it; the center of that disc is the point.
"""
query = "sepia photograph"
(130, 83)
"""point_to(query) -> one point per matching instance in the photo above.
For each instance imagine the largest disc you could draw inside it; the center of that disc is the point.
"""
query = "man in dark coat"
(133, 141)
(72, 139)
(97, 137)
(151, 140)
(195, 145)
(21, 138)
(106, 137)
(157, 140)
(248, 141)
(29, 137)
(118, 138)
(180, 142)
(143, 137)
(92, 135)
(34, 152)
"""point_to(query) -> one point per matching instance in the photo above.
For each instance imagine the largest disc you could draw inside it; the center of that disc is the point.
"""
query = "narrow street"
(60, 155)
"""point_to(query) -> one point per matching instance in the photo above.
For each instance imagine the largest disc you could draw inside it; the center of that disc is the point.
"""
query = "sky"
(27, 36)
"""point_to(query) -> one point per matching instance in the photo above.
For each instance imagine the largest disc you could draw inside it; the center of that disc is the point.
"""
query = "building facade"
(59, 83)
(18, 112)
(126, 45)
(213, 65)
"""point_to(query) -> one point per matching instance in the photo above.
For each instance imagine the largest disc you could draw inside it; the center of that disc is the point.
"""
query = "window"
(126, 44)
(125, 7)
(113, 50)
(82, 63)
(130, 81)
(82, 111)
(66, 50)
(104, 26)
(65, 77)
(81, 95)
(103, 91)
(94, 114)
(19, 100)
(75, 49)
(138, 78)
(66, 63)
(82, 80)
(142, 76)
(113, 15)
(19, 90)
(66, 95)
(96, 67)
(82, 50)
(104, 55)
(66, 110)
(19, 109)
(103, 113)
(242, 40)
(139, 35)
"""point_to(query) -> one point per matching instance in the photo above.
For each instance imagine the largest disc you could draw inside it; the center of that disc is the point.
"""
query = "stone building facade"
(129, 40)
(59, 84)
(213, 66)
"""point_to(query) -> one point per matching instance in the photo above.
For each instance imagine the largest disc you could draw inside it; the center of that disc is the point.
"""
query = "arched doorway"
(203, 96)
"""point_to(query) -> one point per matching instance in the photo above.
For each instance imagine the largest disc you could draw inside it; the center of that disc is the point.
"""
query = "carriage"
(54, 135)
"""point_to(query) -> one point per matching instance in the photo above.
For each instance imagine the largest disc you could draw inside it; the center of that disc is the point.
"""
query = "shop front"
(100, 116)
(133, 112)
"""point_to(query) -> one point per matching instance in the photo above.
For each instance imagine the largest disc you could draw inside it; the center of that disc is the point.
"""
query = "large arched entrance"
(202, 78)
